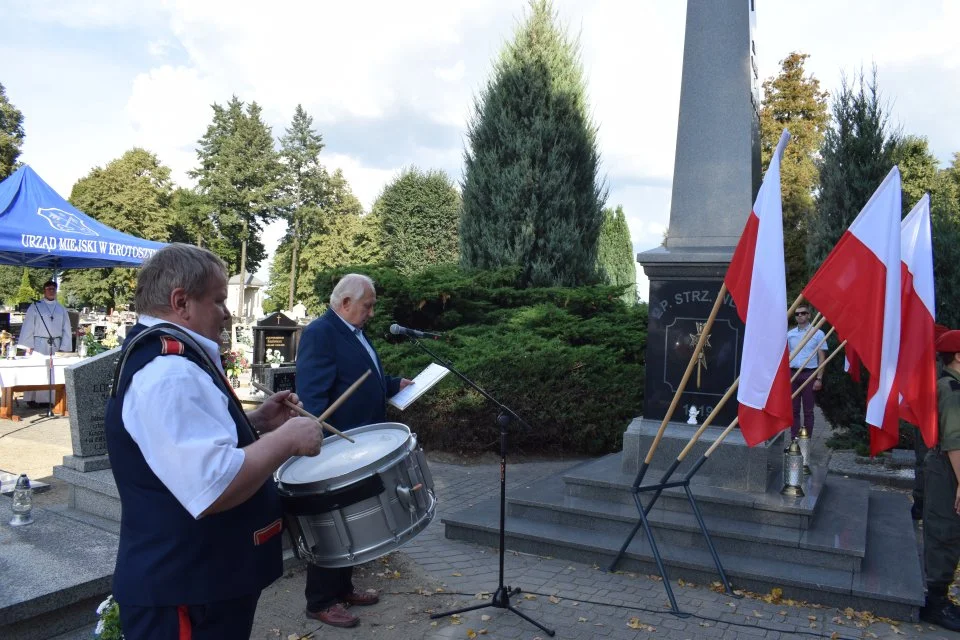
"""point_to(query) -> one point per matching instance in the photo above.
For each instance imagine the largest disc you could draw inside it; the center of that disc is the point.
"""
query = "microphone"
(397, 330)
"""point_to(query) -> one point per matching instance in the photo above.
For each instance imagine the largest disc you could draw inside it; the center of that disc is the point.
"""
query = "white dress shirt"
(180, 420)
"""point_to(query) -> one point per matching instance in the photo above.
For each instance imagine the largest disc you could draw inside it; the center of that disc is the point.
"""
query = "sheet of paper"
(426, 379)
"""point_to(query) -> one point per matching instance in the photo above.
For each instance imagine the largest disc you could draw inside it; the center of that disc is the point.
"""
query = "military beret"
(949, 342)
(939, 330)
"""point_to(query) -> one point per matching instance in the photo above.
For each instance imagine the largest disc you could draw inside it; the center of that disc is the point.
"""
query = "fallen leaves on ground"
(635, 623)
(554, 599)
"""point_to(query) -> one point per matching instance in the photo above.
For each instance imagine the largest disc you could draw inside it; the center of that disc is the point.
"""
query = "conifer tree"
(616, 263)
(419, 214)
(26, 292)
(306, 184)
(532, 195)
(241, 176)
(857, 153)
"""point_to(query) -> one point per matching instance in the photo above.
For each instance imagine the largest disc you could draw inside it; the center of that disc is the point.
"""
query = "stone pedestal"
(733, 465)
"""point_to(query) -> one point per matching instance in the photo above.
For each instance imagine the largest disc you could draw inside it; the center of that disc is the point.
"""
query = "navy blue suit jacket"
(330, 358)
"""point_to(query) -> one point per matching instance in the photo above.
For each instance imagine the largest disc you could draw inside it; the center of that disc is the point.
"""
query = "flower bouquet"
(108, 625)
(274, 358)
(233, 365)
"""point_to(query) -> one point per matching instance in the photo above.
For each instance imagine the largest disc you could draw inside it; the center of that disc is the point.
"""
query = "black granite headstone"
(677, 313)
(275, 332)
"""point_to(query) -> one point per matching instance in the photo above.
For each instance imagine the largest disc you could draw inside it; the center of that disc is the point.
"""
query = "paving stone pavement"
(576, 600)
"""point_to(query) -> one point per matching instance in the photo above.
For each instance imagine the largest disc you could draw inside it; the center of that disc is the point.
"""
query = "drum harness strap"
(172, 330)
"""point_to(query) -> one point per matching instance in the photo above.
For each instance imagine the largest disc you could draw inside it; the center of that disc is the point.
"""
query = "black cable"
(641, 609)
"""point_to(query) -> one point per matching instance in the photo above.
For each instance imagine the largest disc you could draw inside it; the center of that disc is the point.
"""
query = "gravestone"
(280, 378)
(278, 332)
(88, 387)
(716, 178)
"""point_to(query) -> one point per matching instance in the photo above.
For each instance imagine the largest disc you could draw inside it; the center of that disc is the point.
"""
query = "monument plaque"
(88, 387)
(678, 312)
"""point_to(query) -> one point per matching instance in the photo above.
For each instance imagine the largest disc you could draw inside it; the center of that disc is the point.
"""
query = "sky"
(392, 84)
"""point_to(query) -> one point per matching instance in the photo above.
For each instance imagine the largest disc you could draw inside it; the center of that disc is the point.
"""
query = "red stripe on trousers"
(186, 630)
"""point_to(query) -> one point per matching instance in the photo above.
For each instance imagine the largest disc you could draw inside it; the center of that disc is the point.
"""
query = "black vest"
(166, 557)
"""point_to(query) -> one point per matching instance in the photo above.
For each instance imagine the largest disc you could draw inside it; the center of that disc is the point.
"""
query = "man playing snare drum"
(200, 525)
(334, 352)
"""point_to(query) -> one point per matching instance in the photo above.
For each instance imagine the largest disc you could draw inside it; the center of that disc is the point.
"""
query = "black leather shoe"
(941, 612)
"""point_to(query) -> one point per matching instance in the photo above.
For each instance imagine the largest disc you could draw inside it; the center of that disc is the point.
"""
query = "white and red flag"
(757, 282)
(857, 289)
(916, 375)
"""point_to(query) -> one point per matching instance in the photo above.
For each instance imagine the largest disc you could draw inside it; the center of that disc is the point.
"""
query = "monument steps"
(602, 479)
(850, 555)
(547, 503)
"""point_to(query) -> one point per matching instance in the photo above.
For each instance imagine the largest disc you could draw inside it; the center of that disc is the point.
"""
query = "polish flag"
(857, 289)
(916, 373)
(757, 282)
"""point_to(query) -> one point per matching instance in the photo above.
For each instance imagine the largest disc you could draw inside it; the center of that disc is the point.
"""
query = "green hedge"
(569, 361)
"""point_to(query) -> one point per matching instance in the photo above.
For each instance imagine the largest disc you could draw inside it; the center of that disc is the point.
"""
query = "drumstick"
(303, 412)
(346, 394)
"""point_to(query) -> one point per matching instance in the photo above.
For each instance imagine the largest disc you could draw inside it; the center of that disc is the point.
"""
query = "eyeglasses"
(802, 313)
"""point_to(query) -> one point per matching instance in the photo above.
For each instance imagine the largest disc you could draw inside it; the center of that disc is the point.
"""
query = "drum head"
(375, 443)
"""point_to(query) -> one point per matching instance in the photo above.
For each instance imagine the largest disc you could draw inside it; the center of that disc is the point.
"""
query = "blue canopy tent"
(40, 229)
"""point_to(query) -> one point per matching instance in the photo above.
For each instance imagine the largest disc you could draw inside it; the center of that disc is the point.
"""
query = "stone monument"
(716, 177)
(88, 387)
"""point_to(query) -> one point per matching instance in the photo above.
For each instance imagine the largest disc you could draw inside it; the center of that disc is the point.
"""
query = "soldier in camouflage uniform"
(941, 505)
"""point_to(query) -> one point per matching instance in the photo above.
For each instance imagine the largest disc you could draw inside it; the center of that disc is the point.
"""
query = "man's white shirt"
(794, 336)
(180, 420)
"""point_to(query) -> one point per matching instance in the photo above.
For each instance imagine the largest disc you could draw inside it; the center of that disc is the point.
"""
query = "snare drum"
(356, 502)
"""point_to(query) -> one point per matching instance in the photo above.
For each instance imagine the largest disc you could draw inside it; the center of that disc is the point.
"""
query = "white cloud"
(366, 182)
(421, 64)
(168, 111)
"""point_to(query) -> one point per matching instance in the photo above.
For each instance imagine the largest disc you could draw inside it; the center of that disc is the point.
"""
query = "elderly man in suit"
(334, 352)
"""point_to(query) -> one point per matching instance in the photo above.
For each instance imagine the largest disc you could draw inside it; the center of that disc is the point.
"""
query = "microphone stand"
(501, 597)
(51, 381)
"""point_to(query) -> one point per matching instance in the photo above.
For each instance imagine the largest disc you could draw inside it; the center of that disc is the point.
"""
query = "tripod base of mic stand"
(500, 600)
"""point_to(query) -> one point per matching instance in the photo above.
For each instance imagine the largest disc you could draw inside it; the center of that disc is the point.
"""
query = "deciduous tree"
(793, 100)
(11, 134)
(132, 194)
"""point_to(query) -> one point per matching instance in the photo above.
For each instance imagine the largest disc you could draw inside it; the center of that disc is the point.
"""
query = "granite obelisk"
(716, 177)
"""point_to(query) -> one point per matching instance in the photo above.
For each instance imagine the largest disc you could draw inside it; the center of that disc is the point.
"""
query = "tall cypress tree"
(616, 264)
(532, 195)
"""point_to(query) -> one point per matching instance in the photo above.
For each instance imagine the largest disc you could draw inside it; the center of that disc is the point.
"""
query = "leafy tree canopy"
(132, 194)
(793, 100)
(11, 134)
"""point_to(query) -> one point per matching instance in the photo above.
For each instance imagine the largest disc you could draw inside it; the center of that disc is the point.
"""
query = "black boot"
(916, 511)
(939, 610)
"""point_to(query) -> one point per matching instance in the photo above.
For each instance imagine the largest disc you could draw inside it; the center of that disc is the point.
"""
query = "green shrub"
(568, 361)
